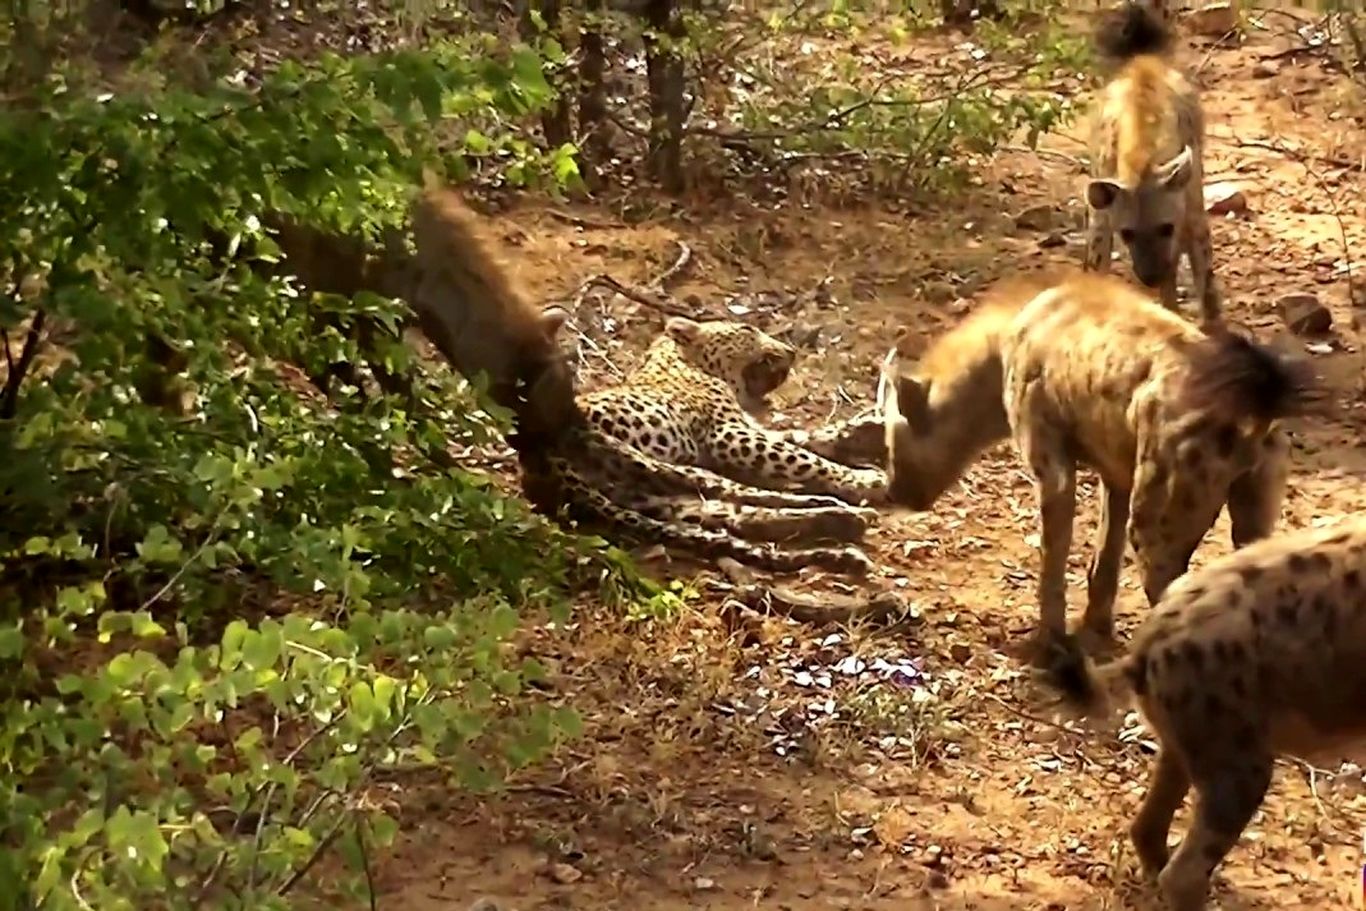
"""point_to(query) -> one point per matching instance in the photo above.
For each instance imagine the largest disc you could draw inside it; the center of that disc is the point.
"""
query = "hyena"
(1147, 175)
(1093, 371)
(1258, 654)
(472, 308)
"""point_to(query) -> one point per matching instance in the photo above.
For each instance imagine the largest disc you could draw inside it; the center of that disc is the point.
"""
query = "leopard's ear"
(682, 329)
(552, 320)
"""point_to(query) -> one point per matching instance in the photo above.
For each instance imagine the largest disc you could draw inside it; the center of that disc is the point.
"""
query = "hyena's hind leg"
(1255, 497)
(1168, 785)
(1102, 581)
(1230, 779)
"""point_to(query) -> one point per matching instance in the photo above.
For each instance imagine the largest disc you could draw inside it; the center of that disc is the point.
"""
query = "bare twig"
(1302, 156)
(1047, 153)
(1342, 227)
(323, 844)
(683, 260)
(641, 296)
(974, 79)
(9, 398)
(582, 221)
(362, 837)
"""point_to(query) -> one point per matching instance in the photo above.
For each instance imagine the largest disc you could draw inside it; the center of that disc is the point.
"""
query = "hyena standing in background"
(1147, 175)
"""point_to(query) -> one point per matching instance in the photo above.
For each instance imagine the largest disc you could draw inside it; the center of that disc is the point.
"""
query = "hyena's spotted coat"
(1259, 654)
(1093, 371)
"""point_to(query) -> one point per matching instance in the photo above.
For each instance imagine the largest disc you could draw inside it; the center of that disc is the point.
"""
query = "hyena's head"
(1148, 217)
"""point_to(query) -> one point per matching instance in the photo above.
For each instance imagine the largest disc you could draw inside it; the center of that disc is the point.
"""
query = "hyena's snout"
(1151, 267)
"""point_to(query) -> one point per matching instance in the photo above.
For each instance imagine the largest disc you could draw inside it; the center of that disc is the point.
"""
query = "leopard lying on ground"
(691, 402)
(590, 469)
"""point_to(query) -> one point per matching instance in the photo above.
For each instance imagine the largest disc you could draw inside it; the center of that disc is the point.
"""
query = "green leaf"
(11, 639)
(261, 649)
(160, 547)
(503, 622)
(361, 701)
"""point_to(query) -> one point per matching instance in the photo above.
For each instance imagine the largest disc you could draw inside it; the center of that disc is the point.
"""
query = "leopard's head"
(750, 360)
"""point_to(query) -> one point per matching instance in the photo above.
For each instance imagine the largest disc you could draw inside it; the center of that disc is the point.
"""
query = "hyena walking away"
(1259, 654)
(1093, 371)
(1147, 143)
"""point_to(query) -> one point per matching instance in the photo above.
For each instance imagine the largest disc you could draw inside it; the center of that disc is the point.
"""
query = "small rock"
(564, 874)
(1304, 314)
(960, 652)
(1212, 19)
(1225, 198)
(702, 884)
(1037, 218)
(1054, 239)
(1265, 69)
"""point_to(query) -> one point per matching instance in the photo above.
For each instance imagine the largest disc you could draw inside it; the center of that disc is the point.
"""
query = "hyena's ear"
(1101, 193)
(900, 395)
(1175, 174)
(682, 329)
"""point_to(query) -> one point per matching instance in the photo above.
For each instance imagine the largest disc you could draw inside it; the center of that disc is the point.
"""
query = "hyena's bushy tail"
(1130, 30)
(1238, 375)
(1091, 690)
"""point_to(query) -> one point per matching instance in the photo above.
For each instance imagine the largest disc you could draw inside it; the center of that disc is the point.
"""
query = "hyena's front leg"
(1100, 241)
(1167, 291)
(1055, 480)
(1200, 255)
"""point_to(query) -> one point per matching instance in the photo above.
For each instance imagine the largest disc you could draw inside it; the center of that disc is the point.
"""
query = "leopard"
(482, 318)
(693, 399)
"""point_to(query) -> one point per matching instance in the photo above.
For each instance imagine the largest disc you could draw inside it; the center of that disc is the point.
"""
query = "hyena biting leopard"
(1147, 171)
(1092, 371)
(1258, 654)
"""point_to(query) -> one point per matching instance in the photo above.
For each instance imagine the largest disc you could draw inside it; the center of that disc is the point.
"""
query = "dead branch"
(683, 260)
(1335, 161)
(640, 296)
(9, 399)
(652, 295)
(580, 221)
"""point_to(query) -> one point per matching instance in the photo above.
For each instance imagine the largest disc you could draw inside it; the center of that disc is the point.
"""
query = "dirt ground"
(736, 761)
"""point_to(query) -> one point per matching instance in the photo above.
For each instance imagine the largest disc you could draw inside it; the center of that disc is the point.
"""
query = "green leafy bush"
(217, 625)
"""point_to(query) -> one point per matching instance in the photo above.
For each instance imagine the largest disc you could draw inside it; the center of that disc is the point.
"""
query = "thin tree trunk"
(664, 73)
(593, 93)
(555, 122)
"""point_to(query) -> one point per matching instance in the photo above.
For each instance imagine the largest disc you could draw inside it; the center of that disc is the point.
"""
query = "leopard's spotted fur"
(488, 324)
(690, 404)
